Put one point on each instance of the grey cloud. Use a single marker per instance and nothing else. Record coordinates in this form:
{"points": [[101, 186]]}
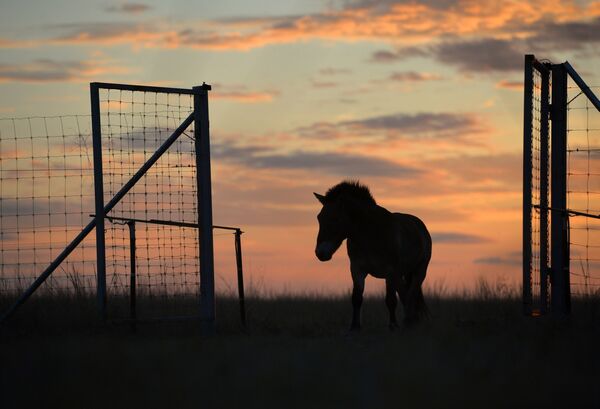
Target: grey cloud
{"points": [[386, 56], [413, 76], [483, 55], [128, 8], [568, 35], [502, 55], [334, 163], [95, 31], [43, 70], [511, 259], [457, 238], [422, 124], [384, 5]]}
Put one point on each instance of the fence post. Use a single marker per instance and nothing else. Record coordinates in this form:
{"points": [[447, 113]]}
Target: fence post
{"points": [[99, 200], [132, 274], [527, 172], [240, 275], [203, 182], [560, 289], [544, 177]]}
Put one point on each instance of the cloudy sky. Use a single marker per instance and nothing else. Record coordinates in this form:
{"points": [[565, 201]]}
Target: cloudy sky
{"points": [[421, 100]]}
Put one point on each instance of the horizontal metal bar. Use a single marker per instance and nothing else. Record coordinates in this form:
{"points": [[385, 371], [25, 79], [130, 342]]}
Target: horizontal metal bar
{"points": [[227, 228], [167, 222], [572, 212], [142, 88], [582, 85]]}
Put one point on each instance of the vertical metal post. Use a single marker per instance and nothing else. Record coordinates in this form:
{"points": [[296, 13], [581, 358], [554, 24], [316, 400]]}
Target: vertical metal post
{"points": [[132, 274], [527, 172], [99, 200], [560, 291], [203, 181], [240, 275], [544, 177]]}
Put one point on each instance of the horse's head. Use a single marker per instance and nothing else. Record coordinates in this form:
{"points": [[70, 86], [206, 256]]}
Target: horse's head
{"points": [[332, 229]]}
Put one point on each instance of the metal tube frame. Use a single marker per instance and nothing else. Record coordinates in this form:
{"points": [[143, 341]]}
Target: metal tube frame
{"points": [[527, 174], [240, 275], [544, 179], [560, 289], [99, 201], [203, 181], [132, 275]]}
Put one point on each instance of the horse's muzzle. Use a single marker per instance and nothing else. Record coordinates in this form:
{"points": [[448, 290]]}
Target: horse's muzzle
{"points": [[324, 251], [322, 256]]}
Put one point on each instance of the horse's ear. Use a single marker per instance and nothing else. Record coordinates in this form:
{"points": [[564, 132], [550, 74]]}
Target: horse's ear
{"points": [[320, 198]]}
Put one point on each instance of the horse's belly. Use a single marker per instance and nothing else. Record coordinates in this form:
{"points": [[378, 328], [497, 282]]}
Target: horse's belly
{"points": [[377, 269], [380, 274]]}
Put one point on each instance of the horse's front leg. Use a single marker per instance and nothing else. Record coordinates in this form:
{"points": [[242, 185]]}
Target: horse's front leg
{"points": [[358, 281]]}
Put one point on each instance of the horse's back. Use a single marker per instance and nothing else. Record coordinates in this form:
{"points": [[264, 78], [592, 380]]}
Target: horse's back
{"points": [[415, 240]]}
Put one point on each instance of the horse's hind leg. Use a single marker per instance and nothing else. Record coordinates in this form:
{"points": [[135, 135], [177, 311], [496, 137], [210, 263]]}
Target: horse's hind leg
{"points": [[415, 307], [391, 301]]}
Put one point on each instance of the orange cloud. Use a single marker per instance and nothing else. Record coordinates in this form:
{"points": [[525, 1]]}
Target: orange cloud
{"points": [[11, 43], [245, 97], [240, 93], [413, 76], [512, 85], [397, 23]]}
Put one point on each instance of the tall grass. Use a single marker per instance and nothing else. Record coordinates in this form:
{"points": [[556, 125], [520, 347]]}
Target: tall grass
{"points": [[477, 350]]}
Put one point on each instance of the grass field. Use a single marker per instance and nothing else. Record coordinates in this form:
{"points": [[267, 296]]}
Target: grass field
{"points": [[476, 351]]}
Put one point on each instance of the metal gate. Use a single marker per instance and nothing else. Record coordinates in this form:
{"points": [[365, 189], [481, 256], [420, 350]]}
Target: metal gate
{"points": [[151, 161], [548, 196]]}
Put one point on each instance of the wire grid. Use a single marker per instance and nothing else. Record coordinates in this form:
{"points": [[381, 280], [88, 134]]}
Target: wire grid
{"points": [[536, 196], [134, 125], [583, 191], [46, 194]]}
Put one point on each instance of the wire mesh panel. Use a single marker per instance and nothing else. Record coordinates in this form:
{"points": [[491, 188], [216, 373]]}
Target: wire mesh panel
{"points": [[583, 192], [46, 196], [134, 125], [536, 166]]}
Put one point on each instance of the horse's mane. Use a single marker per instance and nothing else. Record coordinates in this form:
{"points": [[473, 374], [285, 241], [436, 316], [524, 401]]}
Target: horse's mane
{"points": [[352, 188]]}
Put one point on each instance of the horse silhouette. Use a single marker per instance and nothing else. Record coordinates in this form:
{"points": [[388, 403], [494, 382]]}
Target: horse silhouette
{"points": [[391, 246]]}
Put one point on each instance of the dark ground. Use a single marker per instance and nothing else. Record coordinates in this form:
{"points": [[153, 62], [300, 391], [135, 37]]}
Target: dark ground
{"points": [[476, 352]]}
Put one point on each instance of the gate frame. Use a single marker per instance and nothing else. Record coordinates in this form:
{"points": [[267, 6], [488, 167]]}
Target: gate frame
{"points": [[200, 118]]}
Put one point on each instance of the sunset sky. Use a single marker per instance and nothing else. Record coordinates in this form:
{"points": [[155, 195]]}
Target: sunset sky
{"points": [[420, 100]]}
